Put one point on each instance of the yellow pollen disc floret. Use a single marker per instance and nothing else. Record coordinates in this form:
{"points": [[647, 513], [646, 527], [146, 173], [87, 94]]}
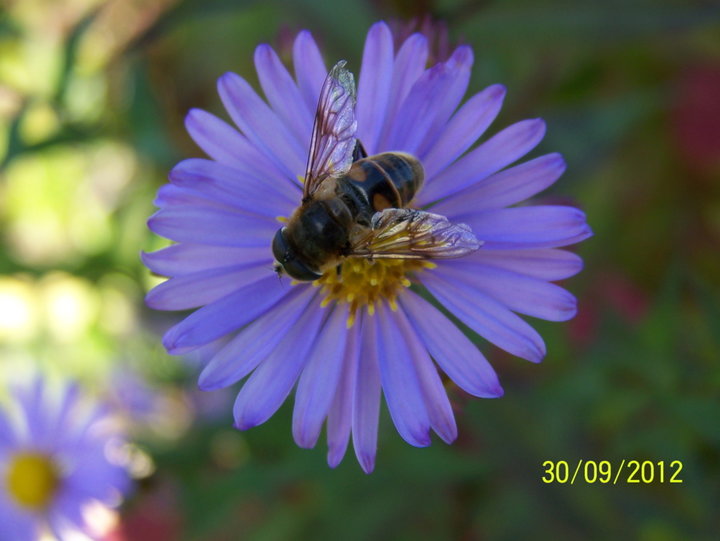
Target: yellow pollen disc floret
{"points": [[364, 283], [32, 479]]}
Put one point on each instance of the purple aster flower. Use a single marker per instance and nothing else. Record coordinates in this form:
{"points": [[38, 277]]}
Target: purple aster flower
{"points": [[54, 463], [361, 331]]}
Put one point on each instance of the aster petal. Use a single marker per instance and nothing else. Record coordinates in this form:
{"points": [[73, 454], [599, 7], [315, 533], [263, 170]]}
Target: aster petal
{"points": [[544, 263], [497, 152], [228, 146], [319, 380], [269, 385], [456, 355], [61, 420], [261, 125], [212, 226], [16, 524], [429, 104], [185, 258], [400, 383], [254, 343], [505, 188], [416, 113], [339, 419], [241, 190], [91, 478], [224, 315], [282, 93], [204, 287], [58, 528], [202, 355], [374, 85], [435, 398], [459, 65], [366, 398], [7, 433], [463, 129], [409, 65], [85, 424], [518, 292], [538, 226], [487, 317], [32, 400], [214, 136], [172, 196], [310, 70], [65, 524], [65, 520]]}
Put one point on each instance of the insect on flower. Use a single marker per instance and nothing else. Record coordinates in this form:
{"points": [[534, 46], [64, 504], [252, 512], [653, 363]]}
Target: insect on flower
{"points": [[351, 204], [383, 228]]}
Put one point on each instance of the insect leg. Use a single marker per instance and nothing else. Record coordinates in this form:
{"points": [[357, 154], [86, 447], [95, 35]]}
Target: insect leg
{"points": [[359, 151]]}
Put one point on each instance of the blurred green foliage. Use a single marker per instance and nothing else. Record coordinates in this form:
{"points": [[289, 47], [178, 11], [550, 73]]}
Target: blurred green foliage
{"points": [[92, 100]]}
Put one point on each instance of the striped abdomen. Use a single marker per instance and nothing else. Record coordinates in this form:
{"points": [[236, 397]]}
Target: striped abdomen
{"points": [[390, 179]]}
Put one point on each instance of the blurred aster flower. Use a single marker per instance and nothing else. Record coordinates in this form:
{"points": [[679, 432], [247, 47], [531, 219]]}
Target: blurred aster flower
{"points": [[54, 464], [347, 337]]}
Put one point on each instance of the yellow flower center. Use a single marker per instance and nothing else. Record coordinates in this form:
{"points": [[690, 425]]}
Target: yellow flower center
{"points": [[32, 479], [363, 283]]}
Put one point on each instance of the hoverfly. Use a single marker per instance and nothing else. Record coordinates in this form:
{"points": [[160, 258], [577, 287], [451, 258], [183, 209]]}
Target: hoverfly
{"points": [[355, 205]]}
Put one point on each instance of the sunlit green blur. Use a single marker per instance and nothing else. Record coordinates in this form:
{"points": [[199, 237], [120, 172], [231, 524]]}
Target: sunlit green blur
{"points": [[92, 100]]}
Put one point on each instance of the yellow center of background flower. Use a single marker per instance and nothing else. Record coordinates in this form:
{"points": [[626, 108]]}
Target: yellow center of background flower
{"points": [[361, 282], [32, 479]]}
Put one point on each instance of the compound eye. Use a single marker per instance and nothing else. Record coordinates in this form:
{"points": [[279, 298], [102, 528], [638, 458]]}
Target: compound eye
{"points": [[280, 248], [298, 270]]}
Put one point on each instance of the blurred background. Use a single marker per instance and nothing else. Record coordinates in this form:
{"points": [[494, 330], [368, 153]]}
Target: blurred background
{"points": [[92, 100]]}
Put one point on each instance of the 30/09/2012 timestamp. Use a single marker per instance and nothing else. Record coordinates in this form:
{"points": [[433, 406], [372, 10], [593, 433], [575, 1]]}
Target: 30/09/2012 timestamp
{"points": [[607, 472]]}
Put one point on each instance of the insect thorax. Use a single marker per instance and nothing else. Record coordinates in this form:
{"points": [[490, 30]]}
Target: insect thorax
{"points": [[321, 230]]}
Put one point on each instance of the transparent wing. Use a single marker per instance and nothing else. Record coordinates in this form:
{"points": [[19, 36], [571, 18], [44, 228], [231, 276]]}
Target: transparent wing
{"points": [[333, 136], [414, 234]]}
